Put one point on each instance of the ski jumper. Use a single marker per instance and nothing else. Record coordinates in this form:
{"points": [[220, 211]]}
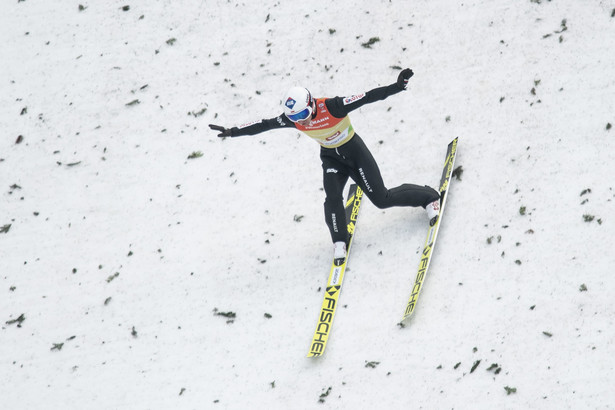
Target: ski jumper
{"points": [[344, 155]]}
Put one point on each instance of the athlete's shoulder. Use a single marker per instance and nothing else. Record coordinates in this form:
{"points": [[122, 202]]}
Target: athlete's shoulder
{"points": [[341, 106], [335, 106], [283, 121]]}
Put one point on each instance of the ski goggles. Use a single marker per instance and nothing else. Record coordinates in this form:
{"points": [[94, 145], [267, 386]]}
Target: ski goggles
{"points": [[301, 115]]}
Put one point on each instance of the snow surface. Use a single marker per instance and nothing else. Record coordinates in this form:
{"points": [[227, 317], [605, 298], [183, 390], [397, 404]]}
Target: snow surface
{"points": [[120, 249]]}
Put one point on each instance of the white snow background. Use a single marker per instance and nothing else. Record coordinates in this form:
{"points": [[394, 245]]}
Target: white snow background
{"points": [[119, 253]]}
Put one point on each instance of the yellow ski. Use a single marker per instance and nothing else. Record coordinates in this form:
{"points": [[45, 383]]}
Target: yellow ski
{"points": [[336, 277], [432, 235]]}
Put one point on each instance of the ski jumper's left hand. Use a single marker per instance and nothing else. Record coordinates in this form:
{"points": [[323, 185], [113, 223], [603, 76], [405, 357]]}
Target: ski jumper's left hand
{"points": [[404, 76]]}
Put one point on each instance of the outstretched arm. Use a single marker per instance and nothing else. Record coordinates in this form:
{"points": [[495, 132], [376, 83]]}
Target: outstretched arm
{"points": [[253, 128], [341, 106]]}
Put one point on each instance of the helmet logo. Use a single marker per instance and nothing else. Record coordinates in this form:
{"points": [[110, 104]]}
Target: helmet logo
{"points": [[290, 103]]}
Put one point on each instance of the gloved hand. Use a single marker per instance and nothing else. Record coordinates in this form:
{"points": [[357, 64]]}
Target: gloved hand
{"points": [[404, 76], [224, 132]]}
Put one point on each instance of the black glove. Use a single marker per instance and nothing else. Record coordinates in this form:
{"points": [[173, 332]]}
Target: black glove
{"points": [[224, 132], [404, 76]]}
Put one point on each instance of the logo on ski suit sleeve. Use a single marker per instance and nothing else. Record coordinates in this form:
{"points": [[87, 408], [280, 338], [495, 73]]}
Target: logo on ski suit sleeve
{"points": [[351, 99]]}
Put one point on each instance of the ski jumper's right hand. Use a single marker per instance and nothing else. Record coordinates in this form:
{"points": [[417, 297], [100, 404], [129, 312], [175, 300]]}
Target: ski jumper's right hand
{"points": [[224, 132]]}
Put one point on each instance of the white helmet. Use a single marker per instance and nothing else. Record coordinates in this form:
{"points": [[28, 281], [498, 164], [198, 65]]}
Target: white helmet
{"points": [[298, 104]]}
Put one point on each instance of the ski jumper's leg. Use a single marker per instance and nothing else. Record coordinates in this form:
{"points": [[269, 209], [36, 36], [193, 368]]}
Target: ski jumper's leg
{"points": [[335, 177], [367, 174]]}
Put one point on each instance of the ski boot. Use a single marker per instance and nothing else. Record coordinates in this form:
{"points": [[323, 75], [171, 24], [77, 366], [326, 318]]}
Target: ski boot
{"points": [[433, 211], [339, 253]]}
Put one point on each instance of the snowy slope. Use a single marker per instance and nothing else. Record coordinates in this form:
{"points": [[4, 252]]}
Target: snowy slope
{"points": [[118, 250]]}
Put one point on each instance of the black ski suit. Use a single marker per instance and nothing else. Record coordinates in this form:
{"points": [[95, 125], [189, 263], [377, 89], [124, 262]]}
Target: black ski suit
{"points": [[349, 158]]}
